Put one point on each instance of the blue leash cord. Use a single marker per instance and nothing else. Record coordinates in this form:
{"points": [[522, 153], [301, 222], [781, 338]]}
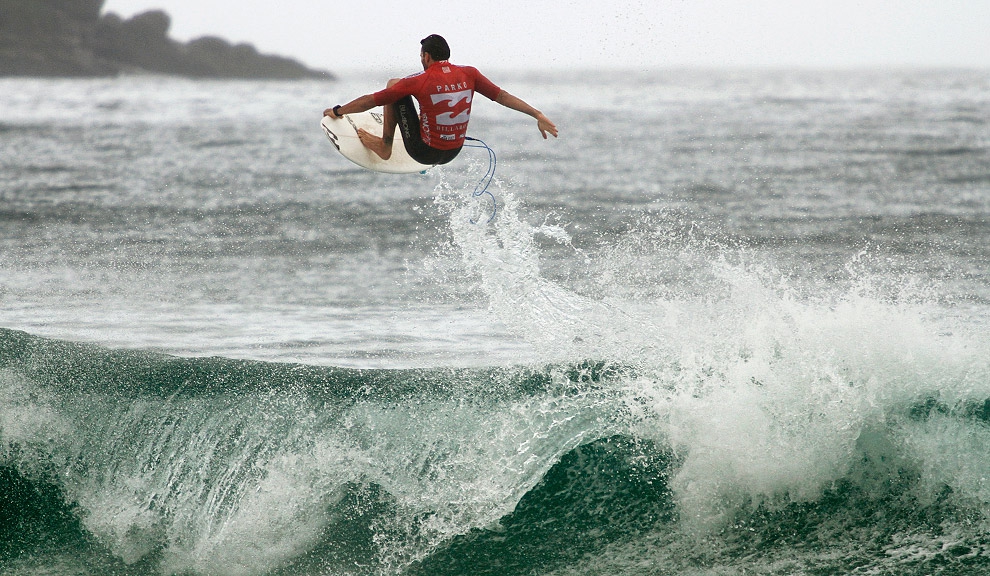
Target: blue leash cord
{"points": [[487, 178]]}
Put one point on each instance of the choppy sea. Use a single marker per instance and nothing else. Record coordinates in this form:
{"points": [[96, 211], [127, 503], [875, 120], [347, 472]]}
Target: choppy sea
{"points": [[730, 322]]}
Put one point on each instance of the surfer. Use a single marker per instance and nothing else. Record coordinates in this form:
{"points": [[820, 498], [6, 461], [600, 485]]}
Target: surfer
{"points": [[444, 92]]}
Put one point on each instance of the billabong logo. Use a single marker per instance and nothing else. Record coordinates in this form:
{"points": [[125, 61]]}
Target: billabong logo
{"points": [[460, 106]]}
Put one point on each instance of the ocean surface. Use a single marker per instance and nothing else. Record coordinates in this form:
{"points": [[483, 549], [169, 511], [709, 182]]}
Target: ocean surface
{"points": [[730, 322]]}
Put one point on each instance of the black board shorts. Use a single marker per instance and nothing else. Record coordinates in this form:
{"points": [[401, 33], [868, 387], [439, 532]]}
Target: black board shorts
{"points": [[413, 138]]}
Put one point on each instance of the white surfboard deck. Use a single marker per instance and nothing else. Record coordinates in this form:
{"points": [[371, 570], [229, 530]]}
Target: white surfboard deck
{"points": [[342, 133]]}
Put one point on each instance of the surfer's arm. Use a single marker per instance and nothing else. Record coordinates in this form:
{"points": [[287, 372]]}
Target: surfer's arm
{"points": [[516, 103], [366, 102]]}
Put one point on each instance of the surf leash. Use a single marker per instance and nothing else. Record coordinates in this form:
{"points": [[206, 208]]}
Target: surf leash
{"points": [[486, 180]]}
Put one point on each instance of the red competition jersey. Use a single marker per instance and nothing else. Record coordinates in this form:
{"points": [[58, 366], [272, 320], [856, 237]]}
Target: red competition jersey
{"points": [[444, 92]]}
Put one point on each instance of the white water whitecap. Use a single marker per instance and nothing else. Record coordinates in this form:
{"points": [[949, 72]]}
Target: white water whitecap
{"points": [[764, 389]]}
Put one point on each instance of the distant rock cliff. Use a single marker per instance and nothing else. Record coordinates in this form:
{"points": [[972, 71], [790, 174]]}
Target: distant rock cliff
{"points": [[71, 38]]}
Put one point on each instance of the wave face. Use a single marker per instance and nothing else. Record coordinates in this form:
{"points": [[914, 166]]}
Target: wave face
{"points": [[792, 456], [217, 466]]}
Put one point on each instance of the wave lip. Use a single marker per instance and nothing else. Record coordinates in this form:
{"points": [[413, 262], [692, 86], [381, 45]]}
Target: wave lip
{"points": [[218, 466]]}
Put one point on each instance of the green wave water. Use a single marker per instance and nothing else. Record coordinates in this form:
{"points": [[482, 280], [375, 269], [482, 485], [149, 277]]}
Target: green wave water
{"points": [[140, 463]]}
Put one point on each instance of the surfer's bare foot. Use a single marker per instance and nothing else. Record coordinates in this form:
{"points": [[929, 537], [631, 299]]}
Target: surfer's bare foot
{"points": [[376, 144]]}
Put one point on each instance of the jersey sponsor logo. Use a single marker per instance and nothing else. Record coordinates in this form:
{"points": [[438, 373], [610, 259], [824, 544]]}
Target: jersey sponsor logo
{"points": [[452, 87], [459, 104]]}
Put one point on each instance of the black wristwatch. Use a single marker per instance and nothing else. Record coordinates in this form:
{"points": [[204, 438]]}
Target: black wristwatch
{"points": [[335, 113]]}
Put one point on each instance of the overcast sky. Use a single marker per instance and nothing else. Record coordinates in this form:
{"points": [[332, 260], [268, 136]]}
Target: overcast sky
{"points": [[383, 35]]}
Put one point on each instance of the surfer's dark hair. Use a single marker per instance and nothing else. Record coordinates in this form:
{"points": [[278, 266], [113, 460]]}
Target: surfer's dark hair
{"points": [[436, 47]]}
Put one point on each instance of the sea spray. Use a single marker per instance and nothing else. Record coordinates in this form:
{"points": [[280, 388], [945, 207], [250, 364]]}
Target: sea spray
{"points": [[768, 386], [504, 256]]}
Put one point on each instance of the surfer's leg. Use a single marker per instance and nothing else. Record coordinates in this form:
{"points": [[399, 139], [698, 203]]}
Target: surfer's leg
{"points": [[391, 118], [376, 144], [383, 145]]}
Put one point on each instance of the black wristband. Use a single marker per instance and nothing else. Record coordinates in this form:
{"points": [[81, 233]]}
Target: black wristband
{"points": [[335, 113]]}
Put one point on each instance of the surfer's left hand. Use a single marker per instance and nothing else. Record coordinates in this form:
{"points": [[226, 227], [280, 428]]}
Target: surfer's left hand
{"points": [[546, 126]]}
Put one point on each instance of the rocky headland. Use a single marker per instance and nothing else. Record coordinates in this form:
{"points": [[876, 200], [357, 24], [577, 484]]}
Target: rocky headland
{"points": [[66, 38]]}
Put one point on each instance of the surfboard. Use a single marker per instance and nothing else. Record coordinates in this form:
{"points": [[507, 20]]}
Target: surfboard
{"points": [[342, 133]]}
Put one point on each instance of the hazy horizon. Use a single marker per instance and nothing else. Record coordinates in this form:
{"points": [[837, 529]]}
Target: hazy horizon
{"points": [[581, 34]]}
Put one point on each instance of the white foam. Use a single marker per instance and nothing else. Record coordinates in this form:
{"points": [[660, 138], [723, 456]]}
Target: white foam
{"points": [[763, 387]]}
